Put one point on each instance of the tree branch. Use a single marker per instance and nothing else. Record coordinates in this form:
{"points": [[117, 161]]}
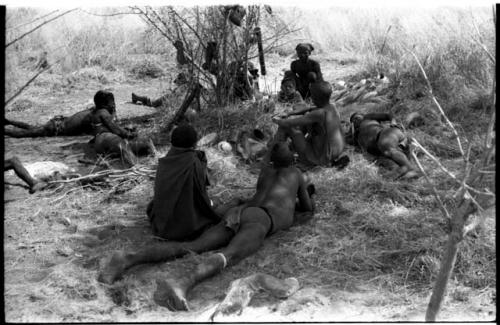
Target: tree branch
{"points": [[433, 188], [437, 103], [36, 19], [28, 83], [37, 27]]}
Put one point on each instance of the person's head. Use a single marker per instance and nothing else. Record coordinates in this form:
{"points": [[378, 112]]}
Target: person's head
{"points": [[105, 99], [304, 51], [181, 79], [236, 13], [281, 155], [312, 77], [184, 136], [288, 86], [356, 119], [321, 92]]}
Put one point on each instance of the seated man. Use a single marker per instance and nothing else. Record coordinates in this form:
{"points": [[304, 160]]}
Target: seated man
{"points": [[301, 69], [181, 209], [288, 93], [241, 234], [110, 137], [382, 140], [33, 183], [244, 82], [316, 136]]}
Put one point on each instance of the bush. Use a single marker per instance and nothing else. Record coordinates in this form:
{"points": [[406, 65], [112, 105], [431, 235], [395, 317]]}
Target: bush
{"points": [[147, 68]]}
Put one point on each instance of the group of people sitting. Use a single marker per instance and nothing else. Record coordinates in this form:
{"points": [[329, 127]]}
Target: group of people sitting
{"points": [[181, 211]]}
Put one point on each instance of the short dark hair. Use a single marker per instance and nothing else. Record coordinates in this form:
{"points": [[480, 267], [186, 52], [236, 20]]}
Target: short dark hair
{"points": [[281, 155], [102, 98], [321, 90], [353, 115], [184, 136]]}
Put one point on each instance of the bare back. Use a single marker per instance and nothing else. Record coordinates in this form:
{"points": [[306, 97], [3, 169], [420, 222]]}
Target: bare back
{"points": [[277, 190], [327, 138]]}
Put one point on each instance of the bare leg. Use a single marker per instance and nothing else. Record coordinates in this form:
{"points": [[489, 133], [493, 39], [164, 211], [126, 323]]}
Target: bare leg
{"points": [[15, 164], [388, 144], [19, 124], [141, 147], [302, 147], [157, 102], [255, 224], [32, 132], [144, 100], [213, 238]]}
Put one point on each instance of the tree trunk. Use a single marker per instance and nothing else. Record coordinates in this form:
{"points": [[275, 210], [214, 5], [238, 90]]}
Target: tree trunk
{"points": [[195, 91], [444, 275], [461, 215]]}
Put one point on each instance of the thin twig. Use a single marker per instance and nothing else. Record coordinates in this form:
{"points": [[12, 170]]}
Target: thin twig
{"points": [[109, 15], [433, 188], [29, 82], [437, 103], [30, 22], [415, 142], [37, 27]]}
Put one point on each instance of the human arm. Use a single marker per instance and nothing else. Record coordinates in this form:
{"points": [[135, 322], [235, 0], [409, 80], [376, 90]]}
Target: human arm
{"points": [[305, 120], [380, 117], [316, 68], [305, 207], [107, 120]]}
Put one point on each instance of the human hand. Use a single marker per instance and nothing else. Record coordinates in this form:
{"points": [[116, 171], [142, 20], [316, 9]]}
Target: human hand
{"points": [[131, 134]]}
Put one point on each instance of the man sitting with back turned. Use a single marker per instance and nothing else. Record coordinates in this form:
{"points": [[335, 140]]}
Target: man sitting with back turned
{"points": [[283, 197], [317, 136], [181, 209]]}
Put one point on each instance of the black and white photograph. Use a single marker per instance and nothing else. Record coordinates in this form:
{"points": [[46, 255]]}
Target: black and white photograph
{"points": [[238, 162]]}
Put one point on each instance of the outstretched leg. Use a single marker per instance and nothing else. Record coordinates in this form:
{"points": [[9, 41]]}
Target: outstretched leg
{"points": [[255, 224], [388, 145], [19, 124], [211, 239], [144, 100], [15, 164], [32, 132]]}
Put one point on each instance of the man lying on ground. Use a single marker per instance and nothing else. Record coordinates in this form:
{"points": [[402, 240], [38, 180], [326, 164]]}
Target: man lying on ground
{"points": [[110, 138], [15, 164], [317, 136], [181, 208], [281, 190], [182, 86], [76, 124], [382, 140]]}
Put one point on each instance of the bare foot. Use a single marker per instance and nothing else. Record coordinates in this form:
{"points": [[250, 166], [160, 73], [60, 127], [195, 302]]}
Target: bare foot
{"points": [[170, 293], [113, 269], [409, 175], [38, 186]]}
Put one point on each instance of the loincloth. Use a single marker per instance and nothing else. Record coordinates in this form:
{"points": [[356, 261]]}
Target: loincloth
{"points": [[57, 124], [232, 218]]}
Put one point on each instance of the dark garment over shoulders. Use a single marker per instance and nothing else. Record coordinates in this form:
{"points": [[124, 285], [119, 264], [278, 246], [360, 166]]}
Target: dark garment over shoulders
{"points": [[181, 207]]}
